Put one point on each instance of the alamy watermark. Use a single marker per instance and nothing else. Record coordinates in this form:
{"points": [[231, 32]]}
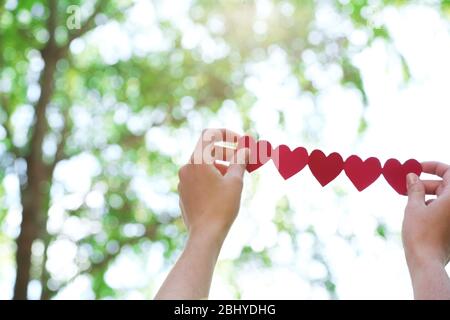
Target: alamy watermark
{"points": [[224, 145], [73, 21]]}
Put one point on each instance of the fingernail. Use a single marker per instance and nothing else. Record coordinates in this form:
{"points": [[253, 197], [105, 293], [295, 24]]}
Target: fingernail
{"points": [[412, 178]]}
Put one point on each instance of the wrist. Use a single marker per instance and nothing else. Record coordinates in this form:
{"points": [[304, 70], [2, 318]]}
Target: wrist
{"points": [[209, 231], [424, 264], [429, 280], [206, 239], [424, 259]]}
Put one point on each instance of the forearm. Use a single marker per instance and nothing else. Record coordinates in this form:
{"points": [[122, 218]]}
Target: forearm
{"points": [[191, 276], [430, 281]]}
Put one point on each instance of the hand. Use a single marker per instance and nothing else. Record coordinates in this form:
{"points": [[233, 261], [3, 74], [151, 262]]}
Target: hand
{"points": [[426, 232], [210, 193]]}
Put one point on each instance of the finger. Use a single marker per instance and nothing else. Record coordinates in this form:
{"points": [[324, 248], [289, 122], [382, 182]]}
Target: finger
{"points": [[416, 191], [223, 153], [432, 187], [201, 152], [437, 168], [239, 164]]}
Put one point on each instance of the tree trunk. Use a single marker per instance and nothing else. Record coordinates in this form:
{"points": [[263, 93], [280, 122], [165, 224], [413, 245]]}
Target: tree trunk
{"points": [[39, 175], [36, 189]]}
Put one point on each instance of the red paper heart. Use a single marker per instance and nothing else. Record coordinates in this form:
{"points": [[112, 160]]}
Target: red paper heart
{"points": [[289, 162], [362, 173], [395, 173], [260, 152], [324, 168]]}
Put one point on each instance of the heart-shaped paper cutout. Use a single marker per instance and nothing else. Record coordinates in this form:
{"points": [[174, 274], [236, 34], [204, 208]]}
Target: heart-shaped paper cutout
{"points": [[260, 152], [288, 162], [362, 173], [324, 168], [395, 173]]}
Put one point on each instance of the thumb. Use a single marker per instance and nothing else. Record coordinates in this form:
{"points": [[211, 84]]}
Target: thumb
{"points": [[416, 190], [239, 163]]}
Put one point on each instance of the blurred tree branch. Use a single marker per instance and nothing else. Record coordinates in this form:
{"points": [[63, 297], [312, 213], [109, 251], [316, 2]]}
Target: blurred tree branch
{"points": [[64, 135], [88, 24], [4, 99], [9, 133], [150, 234]]}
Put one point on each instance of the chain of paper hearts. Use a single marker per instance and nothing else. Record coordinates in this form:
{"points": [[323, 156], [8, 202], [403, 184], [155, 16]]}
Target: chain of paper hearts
{"points": [[327, 168]]}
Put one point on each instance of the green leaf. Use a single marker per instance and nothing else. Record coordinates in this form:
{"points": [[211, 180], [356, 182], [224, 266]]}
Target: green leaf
{"points": [[381, 230]]}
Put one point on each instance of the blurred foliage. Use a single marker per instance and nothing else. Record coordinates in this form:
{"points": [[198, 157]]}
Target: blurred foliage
{"points": [[382, 230], [106, 109]]}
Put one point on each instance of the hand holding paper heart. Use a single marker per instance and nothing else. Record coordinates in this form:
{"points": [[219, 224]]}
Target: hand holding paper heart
{"points": [[327, 168]]}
